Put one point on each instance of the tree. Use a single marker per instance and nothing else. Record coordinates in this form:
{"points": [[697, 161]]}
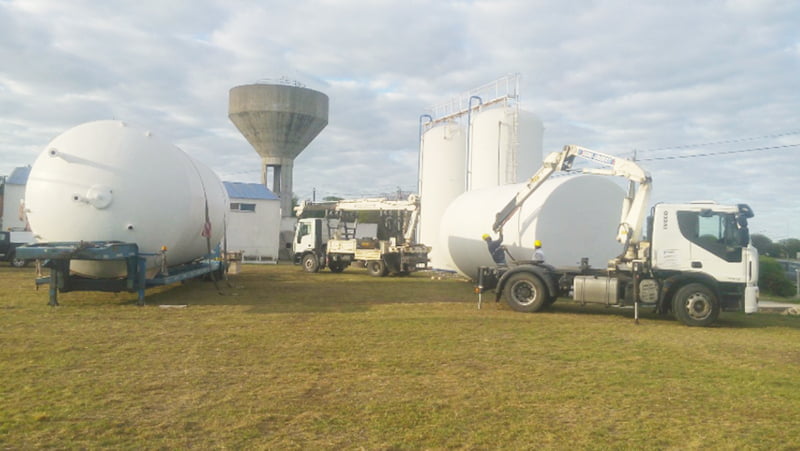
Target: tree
{"points": [[762, 243], [791, 247]]}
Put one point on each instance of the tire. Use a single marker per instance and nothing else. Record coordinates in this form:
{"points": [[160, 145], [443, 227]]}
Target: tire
{"points": [[695, 305], [18, 262], [310, 263], [377, 268], [525, 292], [336, 267]]}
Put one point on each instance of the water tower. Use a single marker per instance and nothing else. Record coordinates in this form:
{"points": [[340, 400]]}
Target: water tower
{"points": [[279, 121]]}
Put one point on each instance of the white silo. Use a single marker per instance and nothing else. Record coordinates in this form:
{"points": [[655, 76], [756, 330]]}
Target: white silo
{"points": [[574, 217], [442, 179], [505, 146]]}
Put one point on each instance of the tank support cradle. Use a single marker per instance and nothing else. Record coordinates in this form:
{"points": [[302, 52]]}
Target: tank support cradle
{"points": [[57, 257]]}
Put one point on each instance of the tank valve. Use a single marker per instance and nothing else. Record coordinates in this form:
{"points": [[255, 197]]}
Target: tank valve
{"points": [[99, 196]]}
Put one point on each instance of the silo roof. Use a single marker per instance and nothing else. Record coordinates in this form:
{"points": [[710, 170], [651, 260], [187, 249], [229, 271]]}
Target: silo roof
{"points": [[240, 190], [19, 176]]}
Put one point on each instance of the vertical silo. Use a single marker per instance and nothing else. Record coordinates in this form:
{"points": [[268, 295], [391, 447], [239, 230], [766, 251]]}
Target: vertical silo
{"points": [[505, 147], [442, 179]]}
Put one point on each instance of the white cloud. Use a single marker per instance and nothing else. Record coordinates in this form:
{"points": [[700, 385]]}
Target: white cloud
{"points": [[611, 74]]}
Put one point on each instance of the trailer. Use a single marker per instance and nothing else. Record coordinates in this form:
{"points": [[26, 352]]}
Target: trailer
{"points": [[57, 257], [696, 260]]}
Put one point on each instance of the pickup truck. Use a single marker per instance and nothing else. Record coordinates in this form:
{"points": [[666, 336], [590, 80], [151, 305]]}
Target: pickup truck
{"points": [[9, 241]]}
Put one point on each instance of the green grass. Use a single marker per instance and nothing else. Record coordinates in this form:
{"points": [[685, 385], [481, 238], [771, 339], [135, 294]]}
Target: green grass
{"points": [[288, 360]]}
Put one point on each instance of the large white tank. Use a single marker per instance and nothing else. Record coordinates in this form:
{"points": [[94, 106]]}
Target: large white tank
{"points": [[108, 181], [574, 217], [442, 179], [495, 159]]}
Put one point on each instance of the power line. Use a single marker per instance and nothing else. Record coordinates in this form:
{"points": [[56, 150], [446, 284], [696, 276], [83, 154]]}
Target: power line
{"points": [[729, 141], [724, 152]]}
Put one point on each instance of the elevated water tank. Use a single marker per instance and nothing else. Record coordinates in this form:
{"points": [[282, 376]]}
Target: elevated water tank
{"points": [[108, 181], [279, 121], [505, 147], [441, 180], [574, 217]]}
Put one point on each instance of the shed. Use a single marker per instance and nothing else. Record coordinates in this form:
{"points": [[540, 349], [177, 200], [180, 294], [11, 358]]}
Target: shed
{"points": [[12, 202], [254, 222]]}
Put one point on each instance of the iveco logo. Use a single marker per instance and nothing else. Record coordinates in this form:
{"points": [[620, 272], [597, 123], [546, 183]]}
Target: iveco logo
{"points": [[665, 220]]}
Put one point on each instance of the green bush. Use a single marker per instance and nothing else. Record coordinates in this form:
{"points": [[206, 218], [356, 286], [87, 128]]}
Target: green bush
{"points": [[771, 278]]}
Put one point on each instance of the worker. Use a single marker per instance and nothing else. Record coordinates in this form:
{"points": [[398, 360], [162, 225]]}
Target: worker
{"points": [[496, 248], [538, 253]]}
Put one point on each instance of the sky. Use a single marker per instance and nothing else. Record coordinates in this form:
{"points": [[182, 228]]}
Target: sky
{"points": [[705, 92]]}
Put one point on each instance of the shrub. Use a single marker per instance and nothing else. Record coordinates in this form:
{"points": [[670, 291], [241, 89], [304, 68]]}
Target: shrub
{"points": [[771, 278]]}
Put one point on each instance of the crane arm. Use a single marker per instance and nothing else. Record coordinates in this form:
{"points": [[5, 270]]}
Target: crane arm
{"points": [[633, 207]]}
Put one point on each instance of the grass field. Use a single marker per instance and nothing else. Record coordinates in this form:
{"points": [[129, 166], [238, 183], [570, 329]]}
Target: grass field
{"points": [[288, 360]]}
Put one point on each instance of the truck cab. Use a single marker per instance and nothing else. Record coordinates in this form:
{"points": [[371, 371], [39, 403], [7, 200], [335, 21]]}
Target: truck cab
{"points": [[708, 242], [10, 240]]}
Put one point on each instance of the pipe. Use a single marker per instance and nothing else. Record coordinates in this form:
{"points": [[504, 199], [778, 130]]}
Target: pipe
{"points": [[467, 159], [419, 159]]}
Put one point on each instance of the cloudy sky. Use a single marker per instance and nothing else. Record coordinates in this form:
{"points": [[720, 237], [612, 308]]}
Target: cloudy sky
{"points": [[672, 80]]}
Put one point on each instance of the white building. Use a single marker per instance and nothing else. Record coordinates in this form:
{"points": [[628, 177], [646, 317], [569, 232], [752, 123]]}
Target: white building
{"points": [[254, 222], [12, 200]]}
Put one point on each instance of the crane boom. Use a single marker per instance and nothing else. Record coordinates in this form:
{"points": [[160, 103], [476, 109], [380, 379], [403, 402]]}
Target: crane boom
{"points": [[379, 204], [633, 206]]}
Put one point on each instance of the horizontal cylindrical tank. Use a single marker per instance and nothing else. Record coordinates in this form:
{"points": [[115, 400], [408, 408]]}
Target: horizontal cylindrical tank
{"points": [[505, 147], [441, 180], [574, 217], [108, 181]]}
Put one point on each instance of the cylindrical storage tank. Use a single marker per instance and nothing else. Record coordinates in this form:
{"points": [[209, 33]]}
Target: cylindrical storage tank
{"points": [[108, 181], [503, 150], [574, 217], [441, 181], [529, 152]]}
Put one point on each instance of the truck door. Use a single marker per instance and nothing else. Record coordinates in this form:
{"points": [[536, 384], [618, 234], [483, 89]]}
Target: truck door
{"points": [[304, 236], [699, 240], [714, 246]]}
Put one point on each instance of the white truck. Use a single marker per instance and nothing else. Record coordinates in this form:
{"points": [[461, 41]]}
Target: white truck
{"points": [[331, 242], [696, 260]]}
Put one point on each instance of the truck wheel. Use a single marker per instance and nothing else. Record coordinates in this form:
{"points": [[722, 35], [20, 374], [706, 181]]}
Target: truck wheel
{"points": [[525, 293], [376, 268], [310, 263], [18, 262], [695, 305], [336, 267]]}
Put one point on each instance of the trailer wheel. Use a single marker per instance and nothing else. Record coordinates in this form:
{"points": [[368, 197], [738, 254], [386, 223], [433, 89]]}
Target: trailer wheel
{"points": [[310, 263], [336, 267], [695, 305], [376, 268], [525, 293]]}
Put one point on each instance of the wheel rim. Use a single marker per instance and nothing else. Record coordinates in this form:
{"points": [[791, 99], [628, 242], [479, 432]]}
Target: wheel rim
{"points": [[524, 293], [698, 306]]}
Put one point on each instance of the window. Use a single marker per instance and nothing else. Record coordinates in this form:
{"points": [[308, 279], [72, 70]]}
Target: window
{"points": [[714, 232], [237, 206]]}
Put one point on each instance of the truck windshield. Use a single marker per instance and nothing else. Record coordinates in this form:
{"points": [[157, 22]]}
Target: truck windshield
{"points": [[713, 231]]}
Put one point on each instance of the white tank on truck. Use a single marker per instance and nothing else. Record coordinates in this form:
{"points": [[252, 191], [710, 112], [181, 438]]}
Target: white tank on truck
{"points": [[695, 259], [110, 181]]}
